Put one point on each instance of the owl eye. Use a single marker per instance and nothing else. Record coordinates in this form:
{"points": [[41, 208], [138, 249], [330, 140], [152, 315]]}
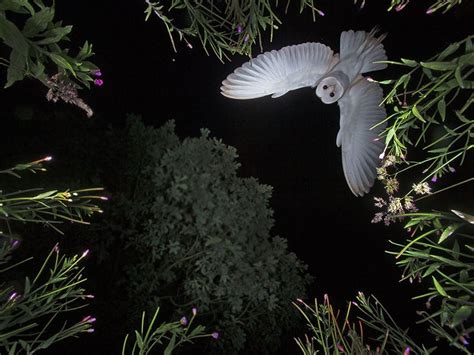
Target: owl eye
{"points": [[325, 87]]}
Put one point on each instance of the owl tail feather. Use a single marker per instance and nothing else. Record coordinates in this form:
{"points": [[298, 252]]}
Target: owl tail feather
{"points": [[366, 47]]}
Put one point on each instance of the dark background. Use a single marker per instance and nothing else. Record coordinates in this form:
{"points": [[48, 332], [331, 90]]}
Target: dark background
{"points": [[288, 143]]}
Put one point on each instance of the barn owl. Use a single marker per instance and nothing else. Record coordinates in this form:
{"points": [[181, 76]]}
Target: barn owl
{"points": [[337, 78]]}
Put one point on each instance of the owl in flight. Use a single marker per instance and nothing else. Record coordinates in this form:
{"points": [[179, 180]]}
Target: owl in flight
{"points": [[336, 77]]}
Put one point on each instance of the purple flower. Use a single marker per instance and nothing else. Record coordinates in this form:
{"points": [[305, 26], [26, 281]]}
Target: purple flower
{"points": [[13, 296], [96, 72], [183, 321], [451, 169], [407, 351], [246, 38], [215, 335], [239, 28], [88, 319], [400, 7], [98, 82], [434, 178], [194, 310]]}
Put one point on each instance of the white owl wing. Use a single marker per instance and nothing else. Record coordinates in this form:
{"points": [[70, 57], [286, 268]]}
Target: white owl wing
{"points": [[361, 147], [360, 53], [279, 71]]}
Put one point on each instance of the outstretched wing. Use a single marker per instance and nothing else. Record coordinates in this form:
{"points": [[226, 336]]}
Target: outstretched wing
{"points": [[360, 51], [361, 146], [277, 72]]}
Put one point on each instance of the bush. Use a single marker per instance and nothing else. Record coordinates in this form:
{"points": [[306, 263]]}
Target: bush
{"points": [[196, 234]]}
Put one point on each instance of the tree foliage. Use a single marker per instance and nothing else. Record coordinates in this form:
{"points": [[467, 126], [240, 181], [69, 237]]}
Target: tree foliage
{"points": [[198, 234]]}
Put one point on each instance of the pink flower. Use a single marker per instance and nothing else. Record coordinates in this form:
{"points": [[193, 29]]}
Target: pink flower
{"points": [[194, 310], [98, 82], [215, 335]]}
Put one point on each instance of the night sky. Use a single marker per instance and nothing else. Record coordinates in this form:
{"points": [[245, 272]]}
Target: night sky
{"points": [[288, 143]]}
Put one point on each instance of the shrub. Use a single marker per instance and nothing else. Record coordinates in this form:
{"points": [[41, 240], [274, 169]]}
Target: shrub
{"points": [[195, 233]]}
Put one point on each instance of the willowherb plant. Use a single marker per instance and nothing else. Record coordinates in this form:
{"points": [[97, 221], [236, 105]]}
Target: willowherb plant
{"points": [[440, 249], [432, 106], [168, 335], [334, 332], [50, 208], [431, 109], [226, 27], [30, 309], [30, 313], [38, 44]]}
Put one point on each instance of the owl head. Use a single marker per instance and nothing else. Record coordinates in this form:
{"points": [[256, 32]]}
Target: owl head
{"points": [[332, 87]]}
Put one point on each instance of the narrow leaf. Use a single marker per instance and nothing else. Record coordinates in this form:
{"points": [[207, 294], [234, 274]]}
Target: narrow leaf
{"points": [[439, 288], [38, 22], [17, 68]]}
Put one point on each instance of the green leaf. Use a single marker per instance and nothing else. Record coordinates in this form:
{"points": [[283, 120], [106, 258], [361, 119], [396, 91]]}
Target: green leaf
{"points": [[139, 339], [38, 22], [12, 36], [417, 114], [439, 66], [409, 62], [467, 217], [442, 108], [432, 268], [85, 51], [16, 69], [462, 314], [37, 69], [463, 276], [458, 76], [61, 62], [385, 82], [169, 349], [469, 47], [439, 288], [18, 6], [448, 231], [448, 51], [466, 59], [55, 35], [44, 195]]}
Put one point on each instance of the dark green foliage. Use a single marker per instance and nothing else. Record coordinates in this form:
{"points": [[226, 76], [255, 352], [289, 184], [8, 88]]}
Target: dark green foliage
{"points": [[196, 234]]}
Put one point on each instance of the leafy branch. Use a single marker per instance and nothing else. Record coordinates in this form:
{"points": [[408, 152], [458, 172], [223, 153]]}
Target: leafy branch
{"points": [[47, 207], [333, 334], [225, 27], [171, 334], [440, 249], [27, 313], [38, 45]]}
